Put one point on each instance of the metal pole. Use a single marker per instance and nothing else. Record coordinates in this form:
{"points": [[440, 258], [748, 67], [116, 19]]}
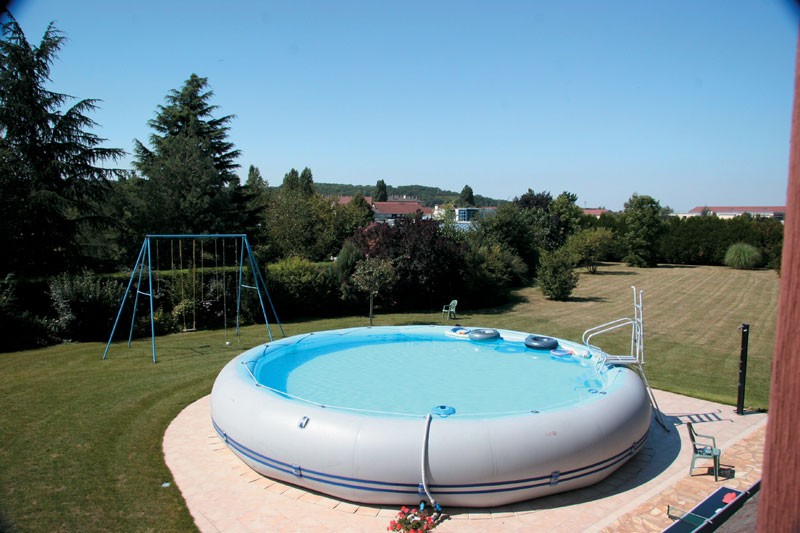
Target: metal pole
{"points": [[239, 290], [150, 289], [745, 328], [263, 282], [136, 300], [125, 297]]}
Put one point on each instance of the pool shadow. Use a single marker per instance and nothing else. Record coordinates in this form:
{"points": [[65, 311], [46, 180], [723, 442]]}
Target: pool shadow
{"points": [[654, 459]]}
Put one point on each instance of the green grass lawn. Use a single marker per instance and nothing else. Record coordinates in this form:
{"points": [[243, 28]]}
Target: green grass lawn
{"points": [[81, 437]]}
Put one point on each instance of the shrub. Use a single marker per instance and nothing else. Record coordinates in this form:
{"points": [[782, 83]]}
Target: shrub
{"points": [[344, 266], [556, 275], [299, 287], [491, 272], [85, 306], [429, 264], [590, 246], [743, 256], [19, 329]]}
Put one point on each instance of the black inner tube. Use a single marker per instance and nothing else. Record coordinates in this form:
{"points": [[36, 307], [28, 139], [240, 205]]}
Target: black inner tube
{"points": [[484, 334], [538, 342]]}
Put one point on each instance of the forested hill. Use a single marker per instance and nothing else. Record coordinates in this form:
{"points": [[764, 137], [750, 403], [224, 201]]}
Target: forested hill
{"points": [[428, 196]]}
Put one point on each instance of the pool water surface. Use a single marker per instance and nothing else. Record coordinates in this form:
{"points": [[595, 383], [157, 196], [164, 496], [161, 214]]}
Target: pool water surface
{"points": [[410, 374]]}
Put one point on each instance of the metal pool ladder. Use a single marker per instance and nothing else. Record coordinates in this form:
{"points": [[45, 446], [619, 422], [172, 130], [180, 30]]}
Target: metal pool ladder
{"points": [[636, 358]]}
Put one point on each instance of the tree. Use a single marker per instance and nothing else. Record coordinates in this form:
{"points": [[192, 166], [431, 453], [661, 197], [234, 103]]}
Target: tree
{"points": [[188, 112], [380, 191], [190, 154], [532, 200], [466, 198], [256, 190], [291, 180], [290, 221], [349, 217], [50, 180], [643, 220], [515, 229], [567, 218], [589, 247], [301, 222], [373, 276], [255, 181], [430, 266], [556, 276], [307, 182]]}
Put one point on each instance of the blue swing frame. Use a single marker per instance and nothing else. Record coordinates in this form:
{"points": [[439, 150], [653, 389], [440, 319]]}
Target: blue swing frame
{"points": [[144, 260]]}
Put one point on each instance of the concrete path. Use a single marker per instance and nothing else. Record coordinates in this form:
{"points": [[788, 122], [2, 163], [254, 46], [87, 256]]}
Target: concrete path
{"points": [[225, 495]]}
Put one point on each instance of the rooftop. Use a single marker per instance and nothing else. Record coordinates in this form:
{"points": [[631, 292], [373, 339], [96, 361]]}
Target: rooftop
{"points": [[753, 209], [400, 207]]}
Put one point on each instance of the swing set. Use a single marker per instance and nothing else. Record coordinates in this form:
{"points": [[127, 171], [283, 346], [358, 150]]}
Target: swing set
{"points": [[241, 248]]}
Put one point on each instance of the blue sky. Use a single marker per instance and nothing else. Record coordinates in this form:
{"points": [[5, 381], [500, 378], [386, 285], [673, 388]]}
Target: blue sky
{"points": [[689, 102]]}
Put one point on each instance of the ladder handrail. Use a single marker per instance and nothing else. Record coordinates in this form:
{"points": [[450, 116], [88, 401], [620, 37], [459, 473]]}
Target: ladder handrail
{"points": [[604, 328], [636, 358], [637, 333]]}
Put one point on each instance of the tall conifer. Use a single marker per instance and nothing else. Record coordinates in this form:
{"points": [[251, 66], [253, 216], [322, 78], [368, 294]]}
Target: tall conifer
{"points": [[50, 177]]}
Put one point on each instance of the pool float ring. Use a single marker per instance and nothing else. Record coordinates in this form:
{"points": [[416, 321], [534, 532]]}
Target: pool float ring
{"points": [[484, 334], [538, 342]]}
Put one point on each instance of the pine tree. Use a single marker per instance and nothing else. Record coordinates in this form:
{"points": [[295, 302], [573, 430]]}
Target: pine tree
{"points": [[257, 191], [190, 164], [466, 198], [50, 182], [380, 191]]}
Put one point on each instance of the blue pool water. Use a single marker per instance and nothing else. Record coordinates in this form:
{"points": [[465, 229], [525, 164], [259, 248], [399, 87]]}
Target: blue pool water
{"points": [[412, 371]]}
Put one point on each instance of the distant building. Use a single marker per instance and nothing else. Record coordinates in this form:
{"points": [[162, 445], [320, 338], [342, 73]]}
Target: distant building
{"points": [[344, 200], [395, 208], [596, 212], [463, 216], [388, 211], [728, 211], [468, 214]]}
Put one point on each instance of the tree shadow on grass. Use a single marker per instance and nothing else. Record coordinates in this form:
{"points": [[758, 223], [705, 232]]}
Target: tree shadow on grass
{"points": [[613, 273], [587, 299], [5, 524], [513, 301]]}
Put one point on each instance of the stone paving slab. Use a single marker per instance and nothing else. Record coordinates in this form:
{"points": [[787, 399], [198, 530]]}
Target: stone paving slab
{"points": [[224, 495]]}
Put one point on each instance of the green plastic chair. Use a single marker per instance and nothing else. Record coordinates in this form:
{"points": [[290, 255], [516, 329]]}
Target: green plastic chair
{"points": [[704, 447], [449, 310]]}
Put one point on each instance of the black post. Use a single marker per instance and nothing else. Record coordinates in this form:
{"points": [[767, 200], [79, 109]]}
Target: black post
{"points": [[742, 368]]}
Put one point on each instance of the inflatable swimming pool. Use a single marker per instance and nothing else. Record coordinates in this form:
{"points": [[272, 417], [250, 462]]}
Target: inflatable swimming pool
{"points": [[394, 415]]}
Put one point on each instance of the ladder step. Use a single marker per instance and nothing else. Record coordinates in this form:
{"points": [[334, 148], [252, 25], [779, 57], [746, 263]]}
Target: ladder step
{"points": [[249, 287]]}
